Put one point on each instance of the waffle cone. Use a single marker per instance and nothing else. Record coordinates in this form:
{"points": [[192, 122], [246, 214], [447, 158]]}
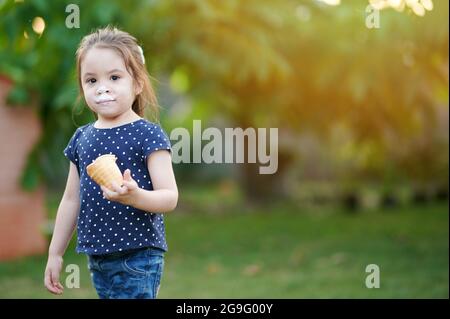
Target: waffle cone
{"points": [[104, 171]]}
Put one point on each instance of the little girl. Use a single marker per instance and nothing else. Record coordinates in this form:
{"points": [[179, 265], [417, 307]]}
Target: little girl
{"points": [[120, 229]]}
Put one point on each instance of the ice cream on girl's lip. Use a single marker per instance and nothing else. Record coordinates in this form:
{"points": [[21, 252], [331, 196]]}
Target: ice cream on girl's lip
{"points": [[104, 99]]}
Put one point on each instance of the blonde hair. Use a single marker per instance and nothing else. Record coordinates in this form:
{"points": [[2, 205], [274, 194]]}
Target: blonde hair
{"points": [[126, 46]]}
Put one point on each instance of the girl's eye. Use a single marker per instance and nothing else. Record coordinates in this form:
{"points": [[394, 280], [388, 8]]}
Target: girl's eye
{"points": [[114, 77], [91, 81]]}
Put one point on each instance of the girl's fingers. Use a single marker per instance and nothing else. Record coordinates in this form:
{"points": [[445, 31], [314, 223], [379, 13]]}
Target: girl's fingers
{"points": [[48, 281], [115, 187], [121, 190], [58, 288], [129, 185], [107, 193], [127, 175], [51, 289], [55, 279], [116, 190]]}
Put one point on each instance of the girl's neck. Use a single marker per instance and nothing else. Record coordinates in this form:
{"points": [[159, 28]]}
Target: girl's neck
{"points": [[122, 119]]}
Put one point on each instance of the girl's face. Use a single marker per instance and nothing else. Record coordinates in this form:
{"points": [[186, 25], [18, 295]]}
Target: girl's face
{"points": [[107, 86]]}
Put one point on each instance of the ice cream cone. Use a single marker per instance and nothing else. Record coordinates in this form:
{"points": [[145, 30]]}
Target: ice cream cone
{"points": [[104, 171]]}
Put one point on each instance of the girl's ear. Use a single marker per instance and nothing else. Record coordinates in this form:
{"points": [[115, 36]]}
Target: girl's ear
{"points": [[138, 88]]}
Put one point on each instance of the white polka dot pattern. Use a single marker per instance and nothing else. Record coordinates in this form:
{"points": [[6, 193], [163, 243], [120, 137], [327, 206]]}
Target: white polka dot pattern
{"points": [[105, 226]]}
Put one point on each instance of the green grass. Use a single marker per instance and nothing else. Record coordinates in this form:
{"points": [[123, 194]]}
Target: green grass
{"points": [[282, 253]]}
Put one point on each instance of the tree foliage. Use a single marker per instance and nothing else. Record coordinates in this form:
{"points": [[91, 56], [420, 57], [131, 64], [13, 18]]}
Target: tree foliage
{"points": [[302, 66]]}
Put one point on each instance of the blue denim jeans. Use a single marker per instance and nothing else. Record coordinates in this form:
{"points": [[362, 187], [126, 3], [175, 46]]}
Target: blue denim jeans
{"points": [[129, 274]]}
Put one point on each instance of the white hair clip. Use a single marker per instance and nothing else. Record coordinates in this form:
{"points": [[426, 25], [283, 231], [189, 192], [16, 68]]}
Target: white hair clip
{"points": [[142, 54]]}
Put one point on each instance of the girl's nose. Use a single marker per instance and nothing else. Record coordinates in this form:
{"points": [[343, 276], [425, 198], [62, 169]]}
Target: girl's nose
{"points": [[102, 90]]}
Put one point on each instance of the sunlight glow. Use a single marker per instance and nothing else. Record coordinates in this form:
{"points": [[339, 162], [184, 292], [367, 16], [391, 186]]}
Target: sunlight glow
{"points": [[331, 2], [38, 25], [419, 7]]}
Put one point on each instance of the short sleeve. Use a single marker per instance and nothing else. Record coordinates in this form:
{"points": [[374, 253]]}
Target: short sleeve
{"points": [[155, 139], [71, 149]]}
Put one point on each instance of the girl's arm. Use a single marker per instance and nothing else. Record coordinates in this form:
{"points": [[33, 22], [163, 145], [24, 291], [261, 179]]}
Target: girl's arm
{"points": [[66, 217], [64, 227], [164, 196]]}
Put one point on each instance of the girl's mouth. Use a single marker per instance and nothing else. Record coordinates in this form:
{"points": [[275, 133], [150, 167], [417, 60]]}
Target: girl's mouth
{"points": [[105, 102]]}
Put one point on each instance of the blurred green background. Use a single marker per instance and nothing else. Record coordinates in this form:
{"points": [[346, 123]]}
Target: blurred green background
{"points": [[362, 115]]}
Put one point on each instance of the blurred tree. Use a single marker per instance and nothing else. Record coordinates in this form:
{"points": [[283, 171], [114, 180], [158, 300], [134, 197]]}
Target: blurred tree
{"points": [[305, 66], [37, 51], [302, 66]]}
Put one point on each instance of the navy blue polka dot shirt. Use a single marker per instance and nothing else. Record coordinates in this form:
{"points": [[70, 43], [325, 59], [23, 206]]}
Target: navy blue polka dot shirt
{"points": [[105, 226]]}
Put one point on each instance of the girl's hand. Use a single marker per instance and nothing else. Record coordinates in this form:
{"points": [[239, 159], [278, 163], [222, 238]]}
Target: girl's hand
{"points": [[125, 194], [51, 277]]}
